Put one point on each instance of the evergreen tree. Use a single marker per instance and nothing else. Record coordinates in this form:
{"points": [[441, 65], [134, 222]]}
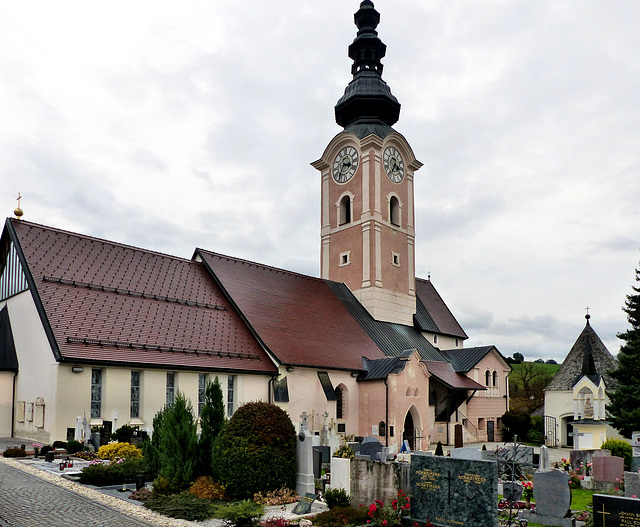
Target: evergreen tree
{"points": [[211, 424], [624, 410], [177, 450], [151, 447]]}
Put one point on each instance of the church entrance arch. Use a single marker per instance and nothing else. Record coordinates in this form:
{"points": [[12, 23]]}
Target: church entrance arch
{"points": [[412, 431]]}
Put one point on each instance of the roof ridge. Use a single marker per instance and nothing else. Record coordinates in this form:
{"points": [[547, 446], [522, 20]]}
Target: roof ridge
{"points": [[97, 239], [261, 265]]}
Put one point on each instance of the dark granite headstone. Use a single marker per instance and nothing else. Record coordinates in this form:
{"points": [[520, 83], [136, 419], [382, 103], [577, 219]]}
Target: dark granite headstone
{"points": [[552, 493], [305, 503], [326, 453], [454, 492], [512, 490], [615, 511], [317, 463], [371, 447]]}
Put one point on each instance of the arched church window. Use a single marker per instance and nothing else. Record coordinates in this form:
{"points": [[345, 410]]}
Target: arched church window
{"points": [[345, 210], [341, 401], [487, 378], [394, 211], [495, 378]]}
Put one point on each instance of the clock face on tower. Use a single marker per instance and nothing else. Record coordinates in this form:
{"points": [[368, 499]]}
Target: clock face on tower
{"points": [[393, 164], [345, 164]]}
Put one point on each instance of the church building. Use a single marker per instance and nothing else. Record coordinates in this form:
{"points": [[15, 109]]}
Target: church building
{"points": [[97, 330]]}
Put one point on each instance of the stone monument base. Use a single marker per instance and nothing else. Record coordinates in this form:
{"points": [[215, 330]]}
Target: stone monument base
{"points": [[546, 520]]}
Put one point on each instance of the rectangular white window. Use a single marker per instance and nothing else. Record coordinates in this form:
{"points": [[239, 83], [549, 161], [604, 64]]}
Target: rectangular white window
{"points": [[135, 394], [96, 393], [171, 388], [345, 258], [202, 388], [230, 394]]}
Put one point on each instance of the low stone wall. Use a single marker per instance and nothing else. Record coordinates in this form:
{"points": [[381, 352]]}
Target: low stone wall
{"points": [[374, 480]]}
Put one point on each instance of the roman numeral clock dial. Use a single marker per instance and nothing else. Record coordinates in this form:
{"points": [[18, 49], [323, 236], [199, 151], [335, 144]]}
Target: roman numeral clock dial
{"points": [[393, 164], [345, 164]]}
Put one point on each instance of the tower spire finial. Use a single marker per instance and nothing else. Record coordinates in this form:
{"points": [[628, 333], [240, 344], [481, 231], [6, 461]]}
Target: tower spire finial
{"points": [[18, 211], [367, 106]]}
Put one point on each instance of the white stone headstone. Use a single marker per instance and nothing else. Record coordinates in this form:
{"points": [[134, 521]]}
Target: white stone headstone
{"points": [[545, 463], [305, 481]]}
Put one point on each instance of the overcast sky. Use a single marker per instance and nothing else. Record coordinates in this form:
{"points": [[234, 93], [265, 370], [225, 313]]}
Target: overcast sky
{"points": [[175, 125]]}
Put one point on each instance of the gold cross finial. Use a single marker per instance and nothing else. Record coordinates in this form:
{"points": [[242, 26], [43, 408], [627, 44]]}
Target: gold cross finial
{"points": [[18, 211]]}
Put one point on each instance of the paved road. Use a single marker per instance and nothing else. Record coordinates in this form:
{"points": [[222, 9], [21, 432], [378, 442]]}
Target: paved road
{"points": [[28, 501]]}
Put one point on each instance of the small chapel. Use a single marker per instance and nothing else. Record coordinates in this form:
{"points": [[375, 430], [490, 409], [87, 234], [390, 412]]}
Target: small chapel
{"points": [[105, 333], [575, 399]]}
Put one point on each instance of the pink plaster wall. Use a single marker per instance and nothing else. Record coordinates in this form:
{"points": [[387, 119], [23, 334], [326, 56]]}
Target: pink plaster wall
{"points": [[408, 389], [490, 404]]}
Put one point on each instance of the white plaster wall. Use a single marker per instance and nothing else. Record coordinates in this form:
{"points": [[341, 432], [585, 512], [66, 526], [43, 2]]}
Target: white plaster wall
{"points": [[36, 363], [559, 404], [306, 395], [75, 394]]}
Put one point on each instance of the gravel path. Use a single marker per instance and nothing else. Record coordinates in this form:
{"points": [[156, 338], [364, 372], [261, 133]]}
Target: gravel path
{"points": [[31, 497]]}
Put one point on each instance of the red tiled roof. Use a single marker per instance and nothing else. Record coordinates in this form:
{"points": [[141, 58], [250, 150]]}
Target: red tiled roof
{"points": [[298, 317], [110, 302], [444, 372], [443, 318]]}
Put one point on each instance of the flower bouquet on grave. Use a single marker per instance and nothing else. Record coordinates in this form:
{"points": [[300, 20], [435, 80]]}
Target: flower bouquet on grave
{"points": [[36, 449], [381, 515]]}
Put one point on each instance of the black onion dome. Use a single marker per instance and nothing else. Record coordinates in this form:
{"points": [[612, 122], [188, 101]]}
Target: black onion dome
{"points": [[367, 106]]}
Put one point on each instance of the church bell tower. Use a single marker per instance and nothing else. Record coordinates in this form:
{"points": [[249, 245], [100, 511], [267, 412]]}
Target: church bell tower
{"points": [[367, 188]]}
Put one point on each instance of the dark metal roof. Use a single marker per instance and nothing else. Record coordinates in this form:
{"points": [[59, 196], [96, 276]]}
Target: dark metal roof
{"points": [[393, 339], [422, 319], [378, 369], [367, 101], [463, 359], [8, 356]]}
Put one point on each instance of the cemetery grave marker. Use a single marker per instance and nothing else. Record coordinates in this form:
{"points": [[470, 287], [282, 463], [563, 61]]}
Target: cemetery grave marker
{"points": [[615, 511], [305, 503], [454, 492]]}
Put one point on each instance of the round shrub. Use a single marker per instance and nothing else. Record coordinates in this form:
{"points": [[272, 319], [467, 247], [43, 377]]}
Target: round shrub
{"points": [[256, 451], [337, 498], [59, 444], [619, 448], [119, 451], [74, 446]]}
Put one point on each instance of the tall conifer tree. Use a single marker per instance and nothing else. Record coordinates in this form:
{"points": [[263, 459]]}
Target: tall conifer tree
{"points": [[211, 424], [624, 408]]}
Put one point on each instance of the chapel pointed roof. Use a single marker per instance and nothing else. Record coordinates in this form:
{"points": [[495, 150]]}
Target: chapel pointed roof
{"points": [[367, 106], [588, 357]]}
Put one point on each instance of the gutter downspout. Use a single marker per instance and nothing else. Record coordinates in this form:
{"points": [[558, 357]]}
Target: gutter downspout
{"points": [[270, 389], [13, 405], [386, 413]]}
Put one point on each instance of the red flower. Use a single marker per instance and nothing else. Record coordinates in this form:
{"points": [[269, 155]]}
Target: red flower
{"points": [[372, 508]]}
